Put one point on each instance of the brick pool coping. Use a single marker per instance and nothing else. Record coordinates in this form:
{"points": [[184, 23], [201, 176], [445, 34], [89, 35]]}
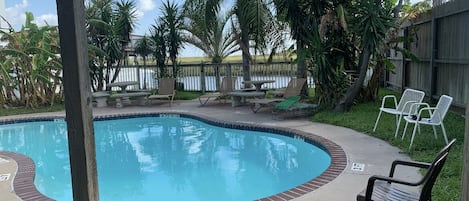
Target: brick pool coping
{"points": [[27, 190], [23, 182]]}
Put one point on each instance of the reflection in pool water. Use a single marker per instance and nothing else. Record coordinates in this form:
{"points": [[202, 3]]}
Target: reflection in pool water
{"points": [[168, 158]]}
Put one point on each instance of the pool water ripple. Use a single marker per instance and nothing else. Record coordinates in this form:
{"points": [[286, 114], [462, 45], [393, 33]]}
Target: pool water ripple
{"points": [[170, 158]]}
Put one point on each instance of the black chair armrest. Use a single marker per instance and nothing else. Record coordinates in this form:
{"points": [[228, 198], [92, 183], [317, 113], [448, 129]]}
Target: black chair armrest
{"points": [[407, 163], [372, 180]]}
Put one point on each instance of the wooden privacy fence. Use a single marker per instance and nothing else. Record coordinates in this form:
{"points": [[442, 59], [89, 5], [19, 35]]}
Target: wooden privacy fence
{"points": [[441, 43]]}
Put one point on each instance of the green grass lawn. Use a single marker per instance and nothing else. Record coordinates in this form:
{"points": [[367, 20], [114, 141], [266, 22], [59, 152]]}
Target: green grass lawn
{"points": [[362, 118]]}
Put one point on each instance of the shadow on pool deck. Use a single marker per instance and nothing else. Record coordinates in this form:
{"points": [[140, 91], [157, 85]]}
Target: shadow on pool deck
{"points": [[376, 155]]}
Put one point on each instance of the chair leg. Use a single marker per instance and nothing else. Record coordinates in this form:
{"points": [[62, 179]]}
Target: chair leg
{"points": [[398, 124], [413, 135], [434, 131], [405, 129], [444, 132], [202, 103], [377, 119], [256, 107]]}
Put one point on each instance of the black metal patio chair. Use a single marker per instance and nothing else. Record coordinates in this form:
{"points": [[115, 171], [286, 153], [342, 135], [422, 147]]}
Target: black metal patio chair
{"points": [[381, 188]]}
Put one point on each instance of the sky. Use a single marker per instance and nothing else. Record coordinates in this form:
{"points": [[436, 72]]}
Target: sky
{"points": [[46, 11]]}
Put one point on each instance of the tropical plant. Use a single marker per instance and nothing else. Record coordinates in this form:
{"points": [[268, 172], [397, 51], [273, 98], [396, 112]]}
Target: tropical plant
{"points": [[144, 48], [371, 20], [109, 25], [380, 61], [207, 33], [172, 20], [30, 71], [252, 22], [159, 47]]}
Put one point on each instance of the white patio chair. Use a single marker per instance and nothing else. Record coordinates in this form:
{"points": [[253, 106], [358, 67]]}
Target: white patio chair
{"points": [[436, 116], [409, 97]]}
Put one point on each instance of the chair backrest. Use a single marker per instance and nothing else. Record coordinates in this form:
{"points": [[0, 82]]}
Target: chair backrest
{"points": [[166, 86], [433, 172], [410, 95], [294, 87], [228, 84], [441, 108]]}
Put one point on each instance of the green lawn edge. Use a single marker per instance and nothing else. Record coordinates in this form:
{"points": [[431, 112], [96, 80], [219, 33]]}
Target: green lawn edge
{"points": [[362, 117]]}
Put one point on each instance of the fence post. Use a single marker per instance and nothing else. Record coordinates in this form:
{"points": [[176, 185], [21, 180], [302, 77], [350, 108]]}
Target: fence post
{"points": [[217, 77], [434, 54], [465, 177], [291, 69], [202, 77], [138, 76], [228, 70]]}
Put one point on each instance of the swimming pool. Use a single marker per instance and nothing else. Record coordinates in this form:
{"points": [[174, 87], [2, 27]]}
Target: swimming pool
{"points": [[171, 158]]}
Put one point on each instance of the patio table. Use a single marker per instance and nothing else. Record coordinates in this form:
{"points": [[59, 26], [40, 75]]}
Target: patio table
{"points": [[123, 86], [239, 97], [258, 83]]}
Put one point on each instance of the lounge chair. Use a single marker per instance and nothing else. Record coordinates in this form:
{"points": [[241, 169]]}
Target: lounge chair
{"points": [[409, 97], [292, 107], [436, 115], [165, 90], [385, 188], [293, 89], [227, 85]]}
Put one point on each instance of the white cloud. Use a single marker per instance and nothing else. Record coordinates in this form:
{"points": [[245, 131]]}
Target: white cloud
{"points": [[51, 19], [15, 14], [144, 6]]}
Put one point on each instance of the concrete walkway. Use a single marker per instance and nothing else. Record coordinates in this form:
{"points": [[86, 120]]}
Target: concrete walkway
{"points": [[371, 155]]}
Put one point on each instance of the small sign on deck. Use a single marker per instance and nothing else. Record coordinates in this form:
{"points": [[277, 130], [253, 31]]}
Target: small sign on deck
{"points": [[4, 177], [360, 167], [2, 160]]}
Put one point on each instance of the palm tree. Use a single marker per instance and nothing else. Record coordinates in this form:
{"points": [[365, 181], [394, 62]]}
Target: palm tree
{"points": [[144, 48], [124, 25], [172, 20], [209, 33], [324, 52], [372, 19], [109, 25], [251, 23], [159, 47]]}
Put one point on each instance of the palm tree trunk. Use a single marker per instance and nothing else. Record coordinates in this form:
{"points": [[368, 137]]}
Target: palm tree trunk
{"points": [[246, 56], [144, 72], [346, 101], [301, 66]]}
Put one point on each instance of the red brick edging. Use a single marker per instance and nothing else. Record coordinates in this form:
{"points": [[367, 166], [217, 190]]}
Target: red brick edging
{"points": [[23, 183]]}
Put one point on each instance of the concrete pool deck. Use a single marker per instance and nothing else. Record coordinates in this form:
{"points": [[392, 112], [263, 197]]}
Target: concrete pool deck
{"points": [[370, 155]]}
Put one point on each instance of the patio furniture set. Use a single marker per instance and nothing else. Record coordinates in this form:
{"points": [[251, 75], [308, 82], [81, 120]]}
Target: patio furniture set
{"points": [[412, 110], [256, 98], [122, 98]]}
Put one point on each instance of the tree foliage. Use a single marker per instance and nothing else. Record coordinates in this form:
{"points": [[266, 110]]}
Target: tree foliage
{"points": [[30, 67], [109, 24]]}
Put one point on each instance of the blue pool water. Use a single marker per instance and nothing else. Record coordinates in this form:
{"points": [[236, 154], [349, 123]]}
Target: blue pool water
{"points": [[169, 158]]}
